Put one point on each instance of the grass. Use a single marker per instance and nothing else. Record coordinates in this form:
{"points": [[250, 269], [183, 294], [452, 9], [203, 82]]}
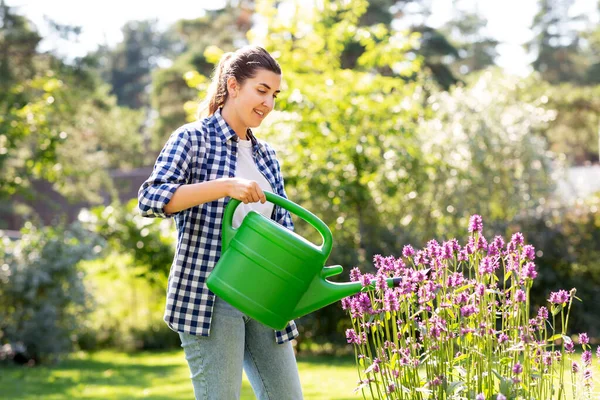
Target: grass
{"points": [[163, 375]]}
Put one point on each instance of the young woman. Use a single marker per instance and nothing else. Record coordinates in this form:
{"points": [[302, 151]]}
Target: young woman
{"points": [[202, 166]]}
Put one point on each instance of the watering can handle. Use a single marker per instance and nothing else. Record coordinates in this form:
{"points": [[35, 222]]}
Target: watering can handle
{"points": [[229, 232]]}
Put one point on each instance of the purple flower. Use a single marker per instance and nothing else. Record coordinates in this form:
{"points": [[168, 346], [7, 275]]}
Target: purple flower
{"points": [[346, 303], [366, 279], [543, 313], [381, 283], [500, 397], [480, 289], [583, 338], [517, 239], [363, 303], [468, 310], [408, 251], [520, 296], [463, 255], [587, 377], [391, 388], [480, 396], [496, 246], [470, 247], [355, 274], [569, 346], [475, 223], [528, 252], [586, 357], [502, 338], [390, 301], [547, 358], [456, 279], [560, 297], [438, 325], [448, 249], [517, 368], [352, 337], [488, 265], [598, 351], [575, 367], [482, 243], [433, 249], [529, 271], [421, 258]]}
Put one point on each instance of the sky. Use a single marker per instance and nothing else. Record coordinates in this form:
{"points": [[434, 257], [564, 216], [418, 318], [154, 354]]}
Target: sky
{"points": [[101, 21]]}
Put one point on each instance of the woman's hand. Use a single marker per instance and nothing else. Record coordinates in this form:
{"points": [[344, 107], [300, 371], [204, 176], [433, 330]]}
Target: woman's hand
{"points": [[246, 191]]}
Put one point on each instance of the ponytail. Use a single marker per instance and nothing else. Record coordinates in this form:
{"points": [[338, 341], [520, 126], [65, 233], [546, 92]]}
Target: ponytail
{"points": [[217, 91]]}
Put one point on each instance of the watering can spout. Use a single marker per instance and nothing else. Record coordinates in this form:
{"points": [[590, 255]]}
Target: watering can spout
{"points": [[322, 293]]}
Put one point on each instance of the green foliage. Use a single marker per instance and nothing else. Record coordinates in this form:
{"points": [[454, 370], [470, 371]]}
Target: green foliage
{"points": [[575, 128], [568, 242], [42, 296], [483, 154], [126, 307], [149, 242], [58, 123]]}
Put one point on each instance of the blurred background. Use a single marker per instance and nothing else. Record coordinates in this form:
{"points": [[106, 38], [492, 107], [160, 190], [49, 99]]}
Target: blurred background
{"points": [[398, 119]]}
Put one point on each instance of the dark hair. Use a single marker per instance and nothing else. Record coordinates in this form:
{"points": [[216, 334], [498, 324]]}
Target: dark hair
{"points": [[242, 64]]}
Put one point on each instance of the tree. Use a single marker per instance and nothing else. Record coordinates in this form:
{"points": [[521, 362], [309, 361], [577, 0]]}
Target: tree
{"points": [[475, 50], [556, 43], [128, 67], [58, 122]]}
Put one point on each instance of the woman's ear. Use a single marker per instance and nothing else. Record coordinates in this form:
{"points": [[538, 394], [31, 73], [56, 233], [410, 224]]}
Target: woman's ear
{"points": [[232, 86]]}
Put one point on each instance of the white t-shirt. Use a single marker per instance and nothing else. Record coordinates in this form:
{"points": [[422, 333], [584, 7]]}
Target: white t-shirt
{"points": [[247, 169]]}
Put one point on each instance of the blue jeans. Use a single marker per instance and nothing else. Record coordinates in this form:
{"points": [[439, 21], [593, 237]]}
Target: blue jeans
{"points": [[235, 342]]}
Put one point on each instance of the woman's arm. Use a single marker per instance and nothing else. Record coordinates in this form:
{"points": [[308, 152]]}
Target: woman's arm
{"points": [[191, 195]]}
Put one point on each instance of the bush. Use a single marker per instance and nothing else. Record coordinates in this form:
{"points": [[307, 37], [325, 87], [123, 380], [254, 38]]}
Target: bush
{"points": [[42, 296], [127, 307]]}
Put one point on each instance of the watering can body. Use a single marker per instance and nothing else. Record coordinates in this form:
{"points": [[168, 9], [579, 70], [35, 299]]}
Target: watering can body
{"points": [[272, 274]]}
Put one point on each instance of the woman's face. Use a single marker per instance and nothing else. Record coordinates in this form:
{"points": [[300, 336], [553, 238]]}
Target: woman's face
{"points": [[255, 98]]}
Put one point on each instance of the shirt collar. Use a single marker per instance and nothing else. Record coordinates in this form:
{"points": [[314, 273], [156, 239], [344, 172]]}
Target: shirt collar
{"points": [[227, 133]]}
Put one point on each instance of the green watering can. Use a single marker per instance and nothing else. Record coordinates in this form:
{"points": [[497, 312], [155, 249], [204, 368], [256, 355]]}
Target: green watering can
{"points": [[270, 273]]}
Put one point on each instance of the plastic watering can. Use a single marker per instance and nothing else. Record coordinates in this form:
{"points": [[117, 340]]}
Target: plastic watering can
{"points": [[272, 274]]}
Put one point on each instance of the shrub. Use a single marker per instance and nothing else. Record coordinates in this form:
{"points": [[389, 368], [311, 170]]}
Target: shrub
{"points": [[42, 296]]}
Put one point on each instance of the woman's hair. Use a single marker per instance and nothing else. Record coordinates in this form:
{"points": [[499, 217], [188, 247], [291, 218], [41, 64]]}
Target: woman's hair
{"points": [[242, 64]]}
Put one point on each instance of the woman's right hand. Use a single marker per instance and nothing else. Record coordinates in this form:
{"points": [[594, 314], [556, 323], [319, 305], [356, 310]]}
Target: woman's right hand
{"points": [[246, 191]]}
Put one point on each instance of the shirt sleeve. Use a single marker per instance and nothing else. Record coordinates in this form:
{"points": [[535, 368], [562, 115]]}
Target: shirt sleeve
{"points": [[171, 170]]}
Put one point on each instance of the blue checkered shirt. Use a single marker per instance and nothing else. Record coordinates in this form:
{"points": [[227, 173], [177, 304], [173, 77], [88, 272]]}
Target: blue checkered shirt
{"points": [[198, 152]]}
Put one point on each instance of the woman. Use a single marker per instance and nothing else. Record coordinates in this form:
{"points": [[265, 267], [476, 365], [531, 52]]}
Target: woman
{"points": [[202, 166]]}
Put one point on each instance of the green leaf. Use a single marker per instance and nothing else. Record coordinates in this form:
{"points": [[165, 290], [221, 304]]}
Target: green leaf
{"points": [[452, 387]]}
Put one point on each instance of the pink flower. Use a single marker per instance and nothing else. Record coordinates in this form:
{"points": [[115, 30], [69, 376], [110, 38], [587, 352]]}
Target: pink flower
{"points": [[408, 251], [475, 223], [517, 368], [560, 297]]}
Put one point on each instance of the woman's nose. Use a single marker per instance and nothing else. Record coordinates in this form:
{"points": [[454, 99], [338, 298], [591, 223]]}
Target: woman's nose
{"points": [[269, 103]]}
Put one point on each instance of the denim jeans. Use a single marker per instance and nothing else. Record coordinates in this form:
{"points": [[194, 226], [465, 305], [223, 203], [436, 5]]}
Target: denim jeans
{"points": [[235, 342]]}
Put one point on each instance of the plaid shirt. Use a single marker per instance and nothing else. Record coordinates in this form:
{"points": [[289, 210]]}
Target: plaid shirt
{"points": [[198, 152]]}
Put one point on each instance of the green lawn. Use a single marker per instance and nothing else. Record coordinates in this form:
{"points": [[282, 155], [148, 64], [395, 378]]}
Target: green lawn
{"points": [[110, 375]]}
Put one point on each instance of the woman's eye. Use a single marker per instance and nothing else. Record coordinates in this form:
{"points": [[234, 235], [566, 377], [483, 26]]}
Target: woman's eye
{"points": [[261, 91]]}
